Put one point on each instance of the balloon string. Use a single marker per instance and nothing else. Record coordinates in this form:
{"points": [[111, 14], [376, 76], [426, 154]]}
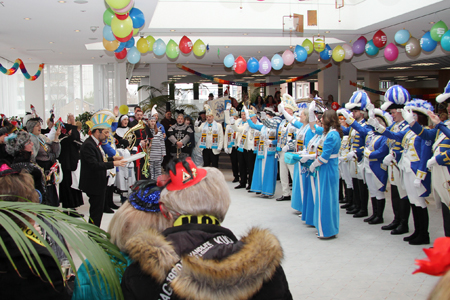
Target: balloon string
{"points": [[19, 63]]}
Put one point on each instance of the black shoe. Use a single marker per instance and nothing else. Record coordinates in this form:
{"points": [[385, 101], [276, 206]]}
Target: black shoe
{"points": [[401, 229], [370, 218], [342, 200], [241, 186], [352, 207], [391, 226], [108, 211], [376, 220], [346, 205], [250, 191], [284, 198], [248, 187], [258, 193], [236, 180], [353, 211], [423, 238], [360, 214]]}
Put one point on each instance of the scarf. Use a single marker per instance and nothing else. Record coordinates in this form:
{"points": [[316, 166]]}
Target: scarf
{"points": [[209, 129]]}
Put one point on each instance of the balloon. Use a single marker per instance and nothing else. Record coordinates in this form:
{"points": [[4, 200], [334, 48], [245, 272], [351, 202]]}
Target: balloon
{"points": [[427, 43], [338, 54], [186, 46], [240, 65], [348, 51], [120, 48], [125, 39], [137, 16], [122, 28], [391, 52], [172, 50], [288, 57], [438, 30], [358, 46], [135, 31], [133, 56], [130, 43], [379, 39], [150, 41], [277, 62], [326, 53], [402, 36], [264, 65], [371, 49], [159, 47], [363, 38], [125, 9], [412, 47], [307, 44], [123, 109], [117, 4], [142, 45], [122, 54], [122, 17], [228, 61], [110, 45], [199, 48], [108, 15], [319, 45], [300, 53], [252, 65], [108, 34], [445, 41]]}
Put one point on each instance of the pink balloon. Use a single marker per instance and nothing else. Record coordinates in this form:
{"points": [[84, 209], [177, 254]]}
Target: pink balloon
{"points": [[391, 52], [288, 57], [125, 9], [264, 65], [348, 51]]}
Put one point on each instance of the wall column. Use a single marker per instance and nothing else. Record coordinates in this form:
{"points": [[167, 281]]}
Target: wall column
{"points": [[121, 84], [372, 80], [328, 81], [158, 75]]}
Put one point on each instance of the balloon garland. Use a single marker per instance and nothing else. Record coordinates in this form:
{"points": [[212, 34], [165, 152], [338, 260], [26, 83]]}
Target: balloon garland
{"points": [[263, 84], [19, 63]]}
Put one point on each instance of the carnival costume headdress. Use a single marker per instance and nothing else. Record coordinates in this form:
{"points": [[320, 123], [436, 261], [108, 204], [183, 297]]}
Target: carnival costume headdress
{"points": [[145, 196], [358, 100], [233, 112], [289, 102], [208, 110], [396, 97], [444, 96], [183, 174], [419, 106], [100, 120], [384, 115]]}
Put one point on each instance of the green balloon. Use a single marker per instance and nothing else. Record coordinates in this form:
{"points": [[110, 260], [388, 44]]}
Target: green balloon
{"points": [[150, 41], [438, 30], [108, 15], [172, 49], [308, 45]]}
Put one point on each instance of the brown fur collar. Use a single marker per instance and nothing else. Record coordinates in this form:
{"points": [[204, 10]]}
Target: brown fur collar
{"points": [[239, 276]]}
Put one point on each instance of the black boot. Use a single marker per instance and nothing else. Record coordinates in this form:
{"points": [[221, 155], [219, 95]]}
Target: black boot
{"points": [[356, 198], [363, 211], [341, 191], [446, 218], [405, 209], [380, 209], [423, 237], [416, 224], [374, 210], [348, 198], [395, 198]]}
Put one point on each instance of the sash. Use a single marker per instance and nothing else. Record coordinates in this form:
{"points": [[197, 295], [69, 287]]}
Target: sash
{"points": [[301, 138], [272, 147], [243, 139], [257, 138], [440, 138], [231, 137], [282, 135], [209, 130]]}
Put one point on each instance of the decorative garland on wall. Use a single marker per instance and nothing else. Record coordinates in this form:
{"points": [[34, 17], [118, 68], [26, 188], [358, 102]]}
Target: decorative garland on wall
{"points": [[262, 84], [19, 63]]}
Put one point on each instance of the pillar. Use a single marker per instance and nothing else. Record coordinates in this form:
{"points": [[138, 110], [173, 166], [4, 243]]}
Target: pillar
{"points": [[120, 88], [348, 73], [158, 75], [328, 81]]}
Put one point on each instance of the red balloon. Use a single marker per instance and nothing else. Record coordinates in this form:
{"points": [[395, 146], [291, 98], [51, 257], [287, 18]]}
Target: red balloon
{"points": [[379, 39], [122, 54], [335, 106], [362, 38], [125, 39], [122, 17], [240, 65], [185, 45]]}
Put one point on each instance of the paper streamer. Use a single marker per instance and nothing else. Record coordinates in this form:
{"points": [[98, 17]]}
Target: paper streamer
{"points": [[19, 63], [262, 84]]}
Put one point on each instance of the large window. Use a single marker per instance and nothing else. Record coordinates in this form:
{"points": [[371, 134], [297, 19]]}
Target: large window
{"points": [[12, 94]]}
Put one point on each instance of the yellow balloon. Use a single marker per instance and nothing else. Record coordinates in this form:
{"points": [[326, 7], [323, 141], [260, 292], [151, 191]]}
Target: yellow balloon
{"points": [[142, 45], [123, 109], [135, 31], [308, 45], [199, 48], [121, 28], [110, 45], [338, 54], [150, 41], [319, 45]]}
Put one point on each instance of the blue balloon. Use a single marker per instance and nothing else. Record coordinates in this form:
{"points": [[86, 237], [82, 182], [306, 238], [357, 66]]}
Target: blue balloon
{"points": [[108, 34], [277, 62], [402, 36], [427, 43], [228, 61], [137, 16], [300, 53], [253, 65], [133, 55], [129, 43], [159, 47], [326, 53], [445, 41], [371, 49], [121, 47]]}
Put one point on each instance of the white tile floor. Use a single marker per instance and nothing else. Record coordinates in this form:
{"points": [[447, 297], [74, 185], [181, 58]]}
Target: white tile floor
{"points": [[363, 262]]}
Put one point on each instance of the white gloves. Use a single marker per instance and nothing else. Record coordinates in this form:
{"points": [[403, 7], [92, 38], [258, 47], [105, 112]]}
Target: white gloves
{"points": [[281, 107], [196, 123], [312, 115], [367, 152], [373, 122], [263, 115], [388, 159], [370, 107], [431, 162], [307, 157], [314, 165], [285, 148], [342, 158], [232, 120], [246, 112], [227, 150], [351, 155], [348, 119], [417, 182], [228, 107], [408, 116]]}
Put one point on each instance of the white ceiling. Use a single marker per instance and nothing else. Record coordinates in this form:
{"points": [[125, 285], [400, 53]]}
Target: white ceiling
{"points": [[220, 24]]}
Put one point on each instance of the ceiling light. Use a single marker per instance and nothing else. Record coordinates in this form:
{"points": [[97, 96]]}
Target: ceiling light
{"points": [[60, 52], [432, 22], [93, 39], [219, 75], [247, 77], [424, 64], [399, 68], [93, 57], [445, 68], [327, 31], [13, 48], [245, 33], [61, 1], [259, 51], [28, 19], [187, 62], [172, 30], [80, 1], [420, 76], [430, 78], [50, 42], [410, 80], [77, 30], [29, 58], [227, 46], [400, 76]]}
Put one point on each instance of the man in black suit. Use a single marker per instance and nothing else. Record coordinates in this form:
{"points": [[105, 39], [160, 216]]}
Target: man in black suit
{"points": [[93, 170]]}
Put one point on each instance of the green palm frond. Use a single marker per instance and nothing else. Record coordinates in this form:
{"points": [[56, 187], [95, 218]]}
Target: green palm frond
{"points": [[87, 241]]}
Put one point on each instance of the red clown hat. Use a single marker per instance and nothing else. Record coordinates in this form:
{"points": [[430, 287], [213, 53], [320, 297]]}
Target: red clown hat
{"points": [[184, 175]]}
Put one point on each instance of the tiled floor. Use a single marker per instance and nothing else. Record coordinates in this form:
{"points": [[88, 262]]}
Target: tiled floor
{"points": [[363, 262]]}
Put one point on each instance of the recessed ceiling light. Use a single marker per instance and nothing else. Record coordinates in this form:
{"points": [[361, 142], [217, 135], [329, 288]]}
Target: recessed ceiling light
{"points": [[93, 57], [82, 10], [424, 64], [259, 51], [410, 80], [399, 68], [187, 62], [220, 75], [400, 76], [227, 46], [61, 1], [28, 19], [420, 76], [29, 58], [93, 39], [245, 33], [430, 78], [50, 42], [445, 68], [432, 22], [327, 31], [172, 30], [13, 48], [80, 1], [60, 52], [77, 30]]}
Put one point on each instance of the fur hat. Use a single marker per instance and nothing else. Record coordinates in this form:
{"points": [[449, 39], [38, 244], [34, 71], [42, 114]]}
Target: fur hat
{"points": [[16, 142], [358, 100], [396, 97], [444, 96], [289, 102]]}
